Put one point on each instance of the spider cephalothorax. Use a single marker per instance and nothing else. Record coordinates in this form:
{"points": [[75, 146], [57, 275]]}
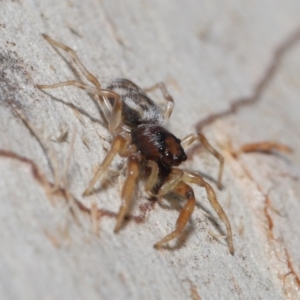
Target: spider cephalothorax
{"points": [[137, 126], [158, 144]]}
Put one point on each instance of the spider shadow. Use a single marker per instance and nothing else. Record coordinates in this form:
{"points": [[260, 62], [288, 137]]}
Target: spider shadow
{"points": [[73, 106]]}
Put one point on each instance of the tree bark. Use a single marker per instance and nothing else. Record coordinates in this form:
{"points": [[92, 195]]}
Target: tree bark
{"points": [[233, 70]]}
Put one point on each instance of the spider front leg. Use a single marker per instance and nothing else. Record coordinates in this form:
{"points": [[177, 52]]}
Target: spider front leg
{"points": [[188, 140], [152, 179], [177, 183], [170, 102], [172, 180], [190, 177], [185, 191], [173, 183]]}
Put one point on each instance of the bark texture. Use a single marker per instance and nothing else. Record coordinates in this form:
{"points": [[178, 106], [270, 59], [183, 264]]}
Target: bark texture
{"points": [[233, 69]]}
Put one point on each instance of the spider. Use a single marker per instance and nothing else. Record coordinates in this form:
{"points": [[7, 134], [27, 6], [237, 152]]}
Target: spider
{"points": [[137, 126]]}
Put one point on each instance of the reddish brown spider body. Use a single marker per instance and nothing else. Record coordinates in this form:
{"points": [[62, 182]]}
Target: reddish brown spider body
{"points": [[157, 144], [137, 126]]}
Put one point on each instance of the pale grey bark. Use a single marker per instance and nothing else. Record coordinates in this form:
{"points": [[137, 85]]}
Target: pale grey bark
{"points": [[210, 54]]}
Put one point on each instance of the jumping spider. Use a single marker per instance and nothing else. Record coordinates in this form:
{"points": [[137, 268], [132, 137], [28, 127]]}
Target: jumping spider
{"points": [[136, 124]]}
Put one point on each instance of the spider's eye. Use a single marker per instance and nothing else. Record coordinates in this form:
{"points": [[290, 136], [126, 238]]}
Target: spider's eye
{"points": [[168, 154], [168, 157]]}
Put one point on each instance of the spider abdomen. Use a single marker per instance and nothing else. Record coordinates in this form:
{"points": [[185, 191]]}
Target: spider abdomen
{"points": [[137, 107]]}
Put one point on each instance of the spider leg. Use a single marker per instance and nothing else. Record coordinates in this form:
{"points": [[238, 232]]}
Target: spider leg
{"points": [[152, 179], [88, 75], [177, 182], [185, 191], [170, 102], [128, 188], [117, 146], [116, 110], [265, 146], [193, 137], [171, 182], [190, 177]]}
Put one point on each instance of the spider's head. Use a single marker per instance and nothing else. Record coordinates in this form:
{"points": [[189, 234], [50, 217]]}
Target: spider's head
{"points": [[158, 144]]}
